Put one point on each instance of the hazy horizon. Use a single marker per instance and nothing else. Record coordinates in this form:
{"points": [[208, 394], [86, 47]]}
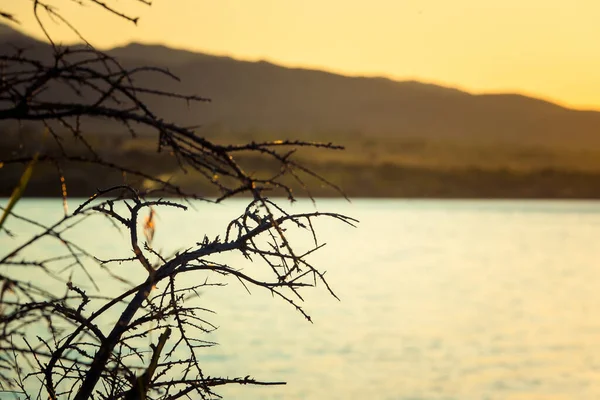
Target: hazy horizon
{"points": [[539, 49]]}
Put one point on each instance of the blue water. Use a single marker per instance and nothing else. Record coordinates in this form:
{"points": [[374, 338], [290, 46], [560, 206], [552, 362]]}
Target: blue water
{"points": [[464, 300]]}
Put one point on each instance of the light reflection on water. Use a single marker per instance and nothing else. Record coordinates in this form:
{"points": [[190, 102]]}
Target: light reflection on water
{"points": [[440, 300]]}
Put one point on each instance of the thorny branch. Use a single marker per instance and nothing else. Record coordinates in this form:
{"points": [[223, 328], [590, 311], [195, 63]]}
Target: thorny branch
{"points": [[58, 335]]}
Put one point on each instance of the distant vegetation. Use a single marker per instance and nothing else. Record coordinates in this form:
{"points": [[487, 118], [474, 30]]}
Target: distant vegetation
{"points": [[384, 168]]}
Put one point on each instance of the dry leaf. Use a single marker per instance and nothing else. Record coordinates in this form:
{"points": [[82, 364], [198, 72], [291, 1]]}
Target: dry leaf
{"points": [[149, 226]]}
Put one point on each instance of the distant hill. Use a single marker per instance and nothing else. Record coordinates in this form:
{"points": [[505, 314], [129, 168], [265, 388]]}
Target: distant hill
{"points": [[402, 138], [264, 98]]}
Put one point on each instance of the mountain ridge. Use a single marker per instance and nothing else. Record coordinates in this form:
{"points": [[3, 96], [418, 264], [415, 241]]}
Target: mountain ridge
{"points": [[7, 30], [263, 98], [119, 50]]}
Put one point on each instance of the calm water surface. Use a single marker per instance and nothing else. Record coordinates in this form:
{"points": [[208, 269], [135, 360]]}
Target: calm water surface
{"points": [[440, 300]]}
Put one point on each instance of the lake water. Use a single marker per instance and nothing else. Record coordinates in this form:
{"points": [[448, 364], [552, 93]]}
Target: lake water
{"points": [[464, 300]]}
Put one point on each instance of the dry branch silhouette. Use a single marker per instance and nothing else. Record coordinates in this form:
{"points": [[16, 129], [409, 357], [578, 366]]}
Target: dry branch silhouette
{"points": [[52, 344]]}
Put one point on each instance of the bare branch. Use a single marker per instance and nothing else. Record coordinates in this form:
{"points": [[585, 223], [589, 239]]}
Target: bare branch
{"points": [[74, 353]]}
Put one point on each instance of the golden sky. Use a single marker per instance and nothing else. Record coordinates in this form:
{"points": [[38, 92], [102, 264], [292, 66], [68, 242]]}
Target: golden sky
{"points": [[544, 48]]}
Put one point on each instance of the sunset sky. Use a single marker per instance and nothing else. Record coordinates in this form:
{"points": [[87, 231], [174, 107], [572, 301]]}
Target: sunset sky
{"points": [[544, 48]]}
